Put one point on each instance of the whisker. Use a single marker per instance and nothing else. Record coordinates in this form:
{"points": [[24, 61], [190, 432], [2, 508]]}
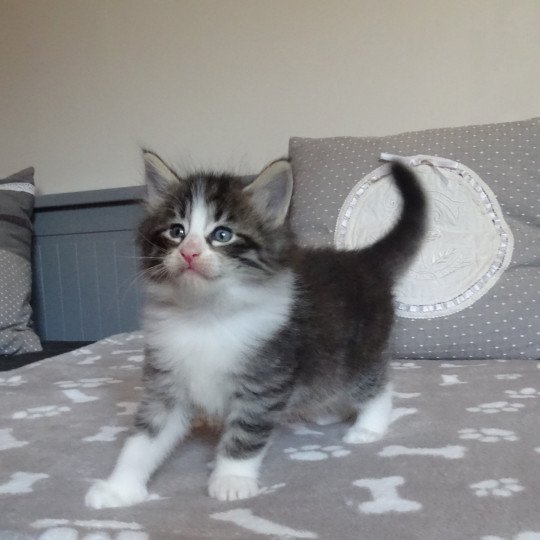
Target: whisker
{"points": [[158, 271], [159, 248]]}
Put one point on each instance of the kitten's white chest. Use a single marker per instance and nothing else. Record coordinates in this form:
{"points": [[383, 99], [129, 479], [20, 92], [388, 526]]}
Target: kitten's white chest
{"points": [[205, 362], [202, 357], [207, 350]]}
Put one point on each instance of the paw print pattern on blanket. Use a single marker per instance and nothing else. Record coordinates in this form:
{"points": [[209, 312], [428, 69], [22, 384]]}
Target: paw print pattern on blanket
{"points": [[505, 487], [63, 529], [405, 365], [314, 452], [81, 352], [524, 393], [525, 535], [132, 352], [21, 482], [126, 367], [89, 360], [87, 383], [488, 435], [452, 365], [106, 434], [131, 337], [16, 380], [7, 441], [71, 388], [496, 407], [40, 412], [451, 380]]}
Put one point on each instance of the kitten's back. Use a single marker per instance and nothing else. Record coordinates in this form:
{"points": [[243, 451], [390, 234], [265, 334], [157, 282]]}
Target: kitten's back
{"points": [[344, 311]]}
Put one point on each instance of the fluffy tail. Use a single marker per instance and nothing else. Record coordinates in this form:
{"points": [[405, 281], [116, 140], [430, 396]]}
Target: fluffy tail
{"points": [[397, 248]]}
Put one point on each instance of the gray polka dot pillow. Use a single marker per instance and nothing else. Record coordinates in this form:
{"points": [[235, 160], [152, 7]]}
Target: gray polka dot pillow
{"points": [[484, 233], [16, 207]]}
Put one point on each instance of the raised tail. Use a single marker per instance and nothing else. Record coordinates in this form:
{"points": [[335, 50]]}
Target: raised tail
{"points": [[396, 249]]}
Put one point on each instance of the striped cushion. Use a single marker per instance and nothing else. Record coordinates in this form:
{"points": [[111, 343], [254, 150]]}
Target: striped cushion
{"points": [[16, 206]]}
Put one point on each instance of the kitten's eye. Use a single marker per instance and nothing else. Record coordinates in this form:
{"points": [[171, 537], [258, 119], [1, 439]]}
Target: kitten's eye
{"points": [[177, 231], [222, 235]]}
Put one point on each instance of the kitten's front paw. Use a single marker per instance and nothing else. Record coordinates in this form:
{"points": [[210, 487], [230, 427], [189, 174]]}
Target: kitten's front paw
{"points": [[232, 488], [361, 436], [106, 494]]}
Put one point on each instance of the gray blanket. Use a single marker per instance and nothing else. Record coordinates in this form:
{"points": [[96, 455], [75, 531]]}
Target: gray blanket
{"points": [[461, 460]]}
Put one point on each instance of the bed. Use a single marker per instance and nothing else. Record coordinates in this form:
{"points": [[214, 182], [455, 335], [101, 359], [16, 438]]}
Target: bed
{"points": [[461, 457]]}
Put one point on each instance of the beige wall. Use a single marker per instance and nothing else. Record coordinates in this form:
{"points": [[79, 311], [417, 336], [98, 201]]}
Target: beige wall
{"points": [[227, 82]]}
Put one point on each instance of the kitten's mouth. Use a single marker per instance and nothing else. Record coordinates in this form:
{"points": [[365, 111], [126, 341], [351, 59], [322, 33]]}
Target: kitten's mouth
{"points": [[191, 271]]}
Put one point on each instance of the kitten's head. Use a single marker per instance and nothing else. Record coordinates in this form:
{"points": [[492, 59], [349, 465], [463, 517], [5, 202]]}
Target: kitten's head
{"points": [[205, 228]]}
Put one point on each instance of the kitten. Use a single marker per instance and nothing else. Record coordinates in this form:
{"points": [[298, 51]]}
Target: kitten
{"points": [[242, 323]]}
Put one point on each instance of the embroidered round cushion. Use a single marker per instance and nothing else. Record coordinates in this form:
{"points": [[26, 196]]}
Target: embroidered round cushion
{"points": [[468, 243]]}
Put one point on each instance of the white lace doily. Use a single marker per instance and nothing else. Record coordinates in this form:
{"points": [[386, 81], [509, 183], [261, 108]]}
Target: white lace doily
{"points": [[468, 244]]}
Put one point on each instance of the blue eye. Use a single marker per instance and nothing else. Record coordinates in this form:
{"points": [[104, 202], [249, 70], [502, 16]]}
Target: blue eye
{"points": [[177, 231], [222, 234]]}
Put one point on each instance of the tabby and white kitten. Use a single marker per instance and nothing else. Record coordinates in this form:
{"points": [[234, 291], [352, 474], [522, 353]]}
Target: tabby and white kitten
{"points": [[242, 323]]}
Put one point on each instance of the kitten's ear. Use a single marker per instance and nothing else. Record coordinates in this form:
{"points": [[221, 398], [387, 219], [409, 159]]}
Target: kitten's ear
{"points": [[159, 177], [271, 192]]}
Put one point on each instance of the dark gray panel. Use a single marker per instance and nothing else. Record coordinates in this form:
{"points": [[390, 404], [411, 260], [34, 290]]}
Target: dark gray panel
{"points": [[86, 285], [85, 198], [71, 289], [51, 292], [108, 284], [87, 219], [89, 287], [38, 298]]}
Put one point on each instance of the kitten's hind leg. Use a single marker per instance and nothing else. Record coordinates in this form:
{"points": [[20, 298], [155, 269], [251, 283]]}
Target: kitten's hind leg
{"points": [[373, 419], [141, 455], [334, 413]]}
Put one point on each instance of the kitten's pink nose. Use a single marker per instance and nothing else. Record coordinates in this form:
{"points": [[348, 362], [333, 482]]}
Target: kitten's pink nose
{"points": [[189, 255]]}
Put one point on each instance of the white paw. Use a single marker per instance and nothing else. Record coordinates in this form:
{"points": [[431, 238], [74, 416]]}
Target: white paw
{"points": [[361, 436], [105, 494], [232, 488]]}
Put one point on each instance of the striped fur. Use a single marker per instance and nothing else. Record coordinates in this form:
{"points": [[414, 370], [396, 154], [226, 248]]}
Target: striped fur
{"points": [[257, 329]]}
